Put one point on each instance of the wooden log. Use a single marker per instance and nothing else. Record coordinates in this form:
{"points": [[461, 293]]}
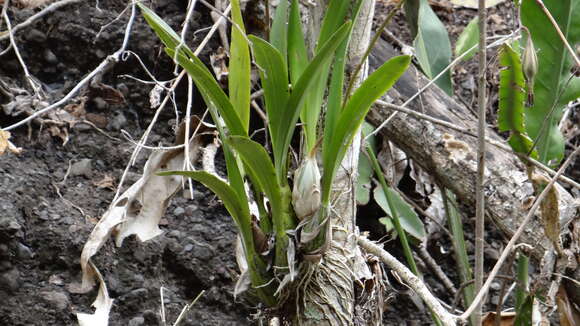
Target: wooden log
{"points": [[450, 156]]}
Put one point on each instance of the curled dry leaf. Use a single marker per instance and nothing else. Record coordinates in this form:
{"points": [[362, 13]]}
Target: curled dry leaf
{"points": [[5, 143], [549, 209], [140, 208], [102, 304]]}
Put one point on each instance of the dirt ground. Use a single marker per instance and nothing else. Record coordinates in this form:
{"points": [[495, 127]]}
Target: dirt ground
{"points": [[52, 194]]}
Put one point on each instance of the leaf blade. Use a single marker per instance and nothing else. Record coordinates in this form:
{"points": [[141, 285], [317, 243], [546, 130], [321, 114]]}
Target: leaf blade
{"points": [[353, 114], [239, 67]]}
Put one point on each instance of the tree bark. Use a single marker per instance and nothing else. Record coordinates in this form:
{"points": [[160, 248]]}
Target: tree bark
{"points": [[449, 155], [328, 295]]}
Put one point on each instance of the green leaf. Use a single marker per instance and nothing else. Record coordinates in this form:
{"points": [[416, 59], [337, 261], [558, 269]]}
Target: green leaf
{"points": [[239, 67], [553, 74], [468, 38], [297, 54], [521, 143], [511, 92], [211, 91], [353, 115], [524, 313], [274, 77], [167, 35], [523, 280], [258, 161], [433, 46], [279, 31], [303, 89], [333, 19], [410, 222], [365, 169], [336, 14]]}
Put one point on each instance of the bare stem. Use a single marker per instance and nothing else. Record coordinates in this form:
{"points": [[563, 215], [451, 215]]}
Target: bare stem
{"points": [[479, 193], [515, 237]]}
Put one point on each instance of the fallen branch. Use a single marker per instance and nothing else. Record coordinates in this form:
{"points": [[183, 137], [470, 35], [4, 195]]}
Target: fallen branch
{"points": [[411, 280]]}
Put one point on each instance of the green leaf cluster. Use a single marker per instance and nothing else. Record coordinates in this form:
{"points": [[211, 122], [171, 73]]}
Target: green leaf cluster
{"points": [[294, 85]]}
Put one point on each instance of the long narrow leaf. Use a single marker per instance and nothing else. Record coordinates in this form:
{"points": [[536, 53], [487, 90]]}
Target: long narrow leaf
{"points": [[274, 77], [353, 115], [334, 18], [279, 32], [258, 160], [209, 87], [239, 67], [297, 54], [302, 89]]}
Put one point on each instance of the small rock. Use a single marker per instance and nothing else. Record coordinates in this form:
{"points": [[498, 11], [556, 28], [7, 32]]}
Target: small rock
{"points": [[55, 279], [100, 53], [150, 317], [189, 210], [10, 281], [9, 225], [100, 103], [3, 249], [174, 234], [23, 252], [82, 167], [35, 35], [178, 211], [203, 253], [117, 122], [99, 120], [188, 247], [5, 265], [137, 321], [57, 299], [50, 57], [123, 89]]}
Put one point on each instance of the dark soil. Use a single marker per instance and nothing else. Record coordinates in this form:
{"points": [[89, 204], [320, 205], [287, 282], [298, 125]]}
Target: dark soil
{"points": [[42, 234], [47, 213]]}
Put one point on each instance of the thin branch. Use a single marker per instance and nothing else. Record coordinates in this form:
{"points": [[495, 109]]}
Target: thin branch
{"points": [[105, 64], [480, 177], [411, 280], [52, 7], [515, 237], [33, 84]]}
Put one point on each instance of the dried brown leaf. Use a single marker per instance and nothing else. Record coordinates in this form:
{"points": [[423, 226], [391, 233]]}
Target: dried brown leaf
{"points": [[569, 315], [5, 143], [549, 209], [506, 319], [107, 182]]}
